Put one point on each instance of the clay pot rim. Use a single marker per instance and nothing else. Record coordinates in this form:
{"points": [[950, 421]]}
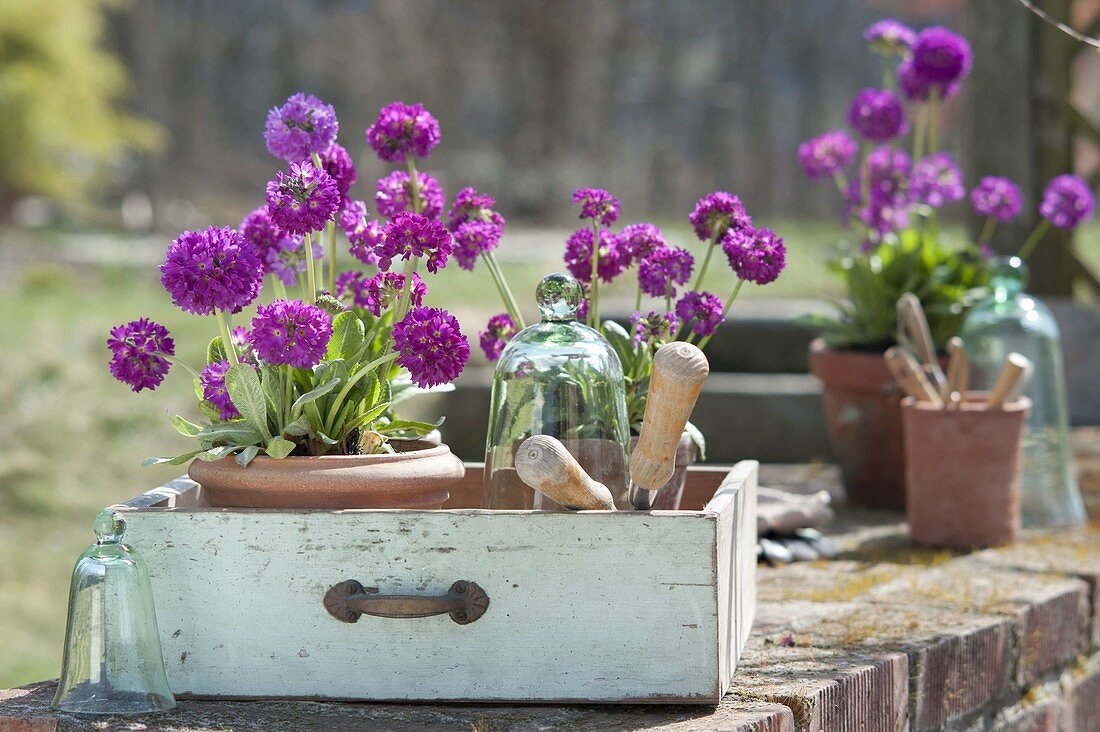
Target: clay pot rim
{"points": [[974, 404], [371, 458], [818, 347]]}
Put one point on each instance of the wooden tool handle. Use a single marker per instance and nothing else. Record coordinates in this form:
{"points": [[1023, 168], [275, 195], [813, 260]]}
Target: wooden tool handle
{"points": [[679, 370], [958, 371], [544, 464], [1016, 369], [912, 321], [910, 376]]}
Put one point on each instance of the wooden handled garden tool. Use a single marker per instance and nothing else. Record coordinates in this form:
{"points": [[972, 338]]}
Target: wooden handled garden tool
{"points": [[679, 370], [544, 464], [914, 332], [1011, 382], [910, 376], [958, 372]]}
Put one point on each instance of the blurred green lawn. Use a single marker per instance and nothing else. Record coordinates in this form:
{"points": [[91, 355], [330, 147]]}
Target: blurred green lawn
{"points": [[73, 439]]}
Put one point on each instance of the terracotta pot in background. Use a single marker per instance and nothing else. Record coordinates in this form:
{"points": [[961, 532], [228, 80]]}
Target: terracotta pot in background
{"points": [[962, 469], [669, 497], [417, 476], [863, 418]]}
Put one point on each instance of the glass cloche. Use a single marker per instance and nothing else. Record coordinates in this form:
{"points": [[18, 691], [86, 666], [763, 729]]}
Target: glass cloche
{"points": [[1011, 320], [560, 378]]}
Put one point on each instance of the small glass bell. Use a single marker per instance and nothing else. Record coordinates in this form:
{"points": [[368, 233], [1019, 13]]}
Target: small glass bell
{"points": [[558, 378], [1011, 320], [113, 662]]}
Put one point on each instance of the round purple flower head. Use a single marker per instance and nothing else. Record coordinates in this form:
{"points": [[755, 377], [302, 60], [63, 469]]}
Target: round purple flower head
{"points": [[663, 269], [827, 154], [889, 174], [380, 292], [716, 212], [578, 256], [877, 115], [941, 56], [337, 163], [394, 195], [937, 181], [287, 258], [139, 351], [889, 37], [412, 235], [598, 205], [216, 269], [303, 199], [496, 335], [365, 234], [473, 238], [258, 229], [917, 88], [302, 126], [997, 197], [402, 130], [639, 240], [212, 381], [654, 328], [703, 308], [755, 256], [1067, 201], [470, 205], [290, 332], [431, 346]]}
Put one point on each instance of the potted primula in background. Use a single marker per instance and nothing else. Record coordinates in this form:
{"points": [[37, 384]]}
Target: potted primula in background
{"points": [[299, 405], [683, 311]]}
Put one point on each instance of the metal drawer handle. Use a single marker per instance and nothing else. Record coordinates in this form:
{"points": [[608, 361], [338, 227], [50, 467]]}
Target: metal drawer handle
{"points": [[465, 601]]}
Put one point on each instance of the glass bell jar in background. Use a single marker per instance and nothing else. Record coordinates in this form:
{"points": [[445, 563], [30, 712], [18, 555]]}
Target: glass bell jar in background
{"points": [[1011, 320], [113, 662], [560, 378]]}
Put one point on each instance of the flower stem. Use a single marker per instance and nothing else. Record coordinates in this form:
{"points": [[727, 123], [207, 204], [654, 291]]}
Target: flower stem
{"points": [[726, 308], [594, 302], [918, 132], [841, 181], [638, 298], [227, 340], [502, 287], [280, 288], [414, 185], [887, 74], [933, 104], [177, 362], [332, 257], [706, 262], [1033, 240], [311, 273], [987, 231]]}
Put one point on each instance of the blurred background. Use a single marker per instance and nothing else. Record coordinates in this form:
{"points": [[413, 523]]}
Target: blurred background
{"points": [[123, 123]]}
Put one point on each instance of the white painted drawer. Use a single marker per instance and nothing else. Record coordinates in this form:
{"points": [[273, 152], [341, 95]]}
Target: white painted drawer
{"points": [[591, 606]]}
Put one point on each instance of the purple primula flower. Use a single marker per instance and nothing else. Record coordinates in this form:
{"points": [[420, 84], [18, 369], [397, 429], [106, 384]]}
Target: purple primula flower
{"points": [[472, 238], [287, 258], [937, 181], [597, 205], [239, 337], [663, 269], [886, 205], [380, 292], [496, 335], [290, 332], [997, 197], [431, 346], [717, 212], [337, 163], [412, 235], [638, 240], [365, 234], [704, 309], [303, 199], [755, 256], [139, 353], [578, 255], [827, 154], [302, 126], [402, 130], [889, 37], [216, 269], [582, 309], [889, 174], [654, 328], [941, 56], [916, 88], [394, 195], [212, 381], [470, 205], [1067, 201], [877, 115], [263, 233]]}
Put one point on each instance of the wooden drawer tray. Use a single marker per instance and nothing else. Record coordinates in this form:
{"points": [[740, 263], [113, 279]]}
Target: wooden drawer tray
{"points": [[594, 606]]}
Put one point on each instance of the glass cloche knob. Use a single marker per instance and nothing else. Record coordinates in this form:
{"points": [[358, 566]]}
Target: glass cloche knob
{"points": [[559, 297], [109, 526]]}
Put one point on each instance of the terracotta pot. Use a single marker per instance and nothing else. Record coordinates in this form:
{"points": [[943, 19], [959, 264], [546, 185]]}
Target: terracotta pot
{"points": [[415, 477], [863, 417], [669, 497], [962, 469]]}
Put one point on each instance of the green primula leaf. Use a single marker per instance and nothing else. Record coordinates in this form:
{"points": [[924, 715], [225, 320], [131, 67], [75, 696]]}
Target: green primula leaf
{"points": [[317, 393], [272, 381], [698, 439], [210, 411], [243, 385], [348, 336], [407, 426], [280, 448], [247, 455], [218, 453], [297, 428], [326, 439], [177, 460], [215, 352], [185, 428], [235, 433]]}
